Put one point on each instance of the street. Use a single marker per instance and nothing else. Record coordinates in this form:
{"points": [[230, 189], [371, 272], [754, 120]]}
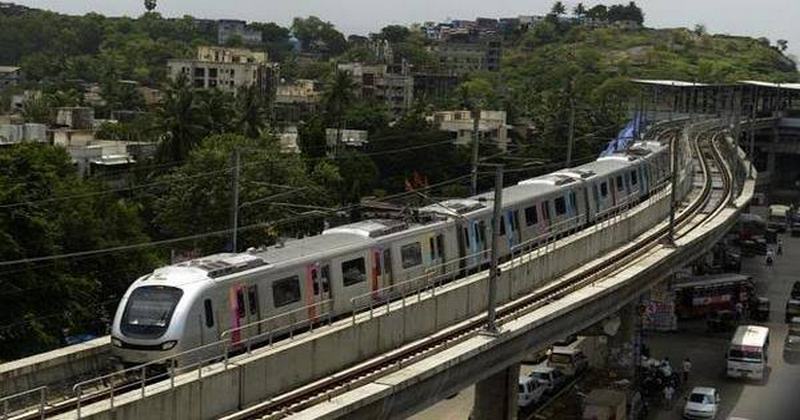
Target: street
{"points": [[777, 399]]}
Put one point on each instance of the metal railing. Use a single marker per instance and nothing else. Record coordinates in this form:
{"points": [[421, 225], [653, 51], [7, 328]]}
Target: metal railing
{"points": [[6, 402]]}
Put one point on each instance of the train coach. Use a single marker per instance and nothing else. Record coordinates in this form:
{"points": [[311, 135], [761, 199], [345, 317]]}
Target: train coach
{"points": [[191, 304]]}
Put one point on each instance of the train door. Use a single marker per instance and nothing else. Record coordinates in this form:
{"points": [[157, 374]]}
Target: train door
{"points": [[386, 262], [318, 288], [436, 253], [572, 208], [238, 312], [545, 207], [377, 273], [462, 235], [512, 228], [253, 310]]}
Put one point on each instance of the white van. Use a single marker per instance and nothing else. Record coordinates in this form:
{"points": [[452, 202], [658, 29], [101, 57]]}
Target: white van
{"points": [[748, 353], [530, 391], [569, 360]]}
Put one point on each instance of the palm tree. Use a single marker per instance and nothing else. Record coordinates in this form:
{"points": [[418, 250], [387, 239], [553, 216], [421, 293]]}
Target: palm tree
{"points": [[338, 98], [219, 109], [579, 11], [252, 111], [180, 121], [558, 8]]}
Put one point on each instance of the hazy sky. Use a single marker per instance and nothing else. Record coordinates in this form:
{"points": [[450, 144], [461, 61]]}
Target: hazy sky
{"points": [[774, 19]]}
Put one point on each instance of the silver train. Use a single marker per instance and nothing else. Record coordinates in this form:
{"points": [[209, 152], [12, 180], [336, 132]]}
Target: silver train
{"points": [[191, 304]]}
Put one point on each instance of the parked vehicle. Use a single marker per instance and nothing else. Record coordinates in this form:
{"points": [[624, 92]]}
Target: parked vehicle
{"points": [[703, 295], [760, 311], [778, 217], [748, 353], [702, 403], [721, 321], [795, 293], [569, 360], [552, 378], [794, 326], [530, 391], [792, 309]]}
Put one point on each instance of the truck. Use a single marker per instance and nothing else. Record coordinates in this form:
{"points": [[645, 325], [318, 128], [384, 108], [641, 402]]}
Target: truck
{"points": [[605, 404], [569, 360]]}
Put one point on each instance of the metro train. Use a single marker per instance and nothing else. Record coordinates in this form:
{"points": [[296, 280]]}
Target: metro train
{"points": [[190, 304]]}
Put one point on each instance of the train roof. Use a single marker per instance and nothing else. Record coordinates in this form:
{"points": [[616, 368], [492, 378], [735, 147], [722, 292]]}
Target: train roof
{"points": [[455, 207], [313, 245]]}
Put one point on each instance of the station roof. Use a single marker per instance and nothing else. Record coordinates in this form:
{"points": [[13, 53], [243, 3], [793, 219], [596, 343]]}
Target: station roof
{"points": [[683, 84], [670, 83], [789, 86]]}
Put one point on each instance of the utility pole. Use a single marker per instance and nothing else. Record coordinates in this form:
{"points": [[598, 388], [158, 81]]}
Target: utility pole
{"points": [[494, 272], [571, 140], [235, 207], [476, 121]]}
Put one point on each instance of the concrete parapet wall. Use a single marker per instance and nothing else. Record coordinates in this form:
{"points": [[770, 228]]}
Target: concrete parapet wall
{"points": [[250, 379], [54, 366]]}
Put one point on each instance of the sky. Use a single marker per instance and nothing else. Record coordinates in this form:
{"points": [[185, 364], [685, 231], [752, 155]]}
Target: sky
{"points": [[774, 19]]}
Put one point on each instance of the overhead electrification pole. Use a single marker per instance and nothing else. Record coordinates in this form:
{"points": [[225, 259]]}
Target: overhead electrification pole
{"points": [[476, 121], [494, 273]]}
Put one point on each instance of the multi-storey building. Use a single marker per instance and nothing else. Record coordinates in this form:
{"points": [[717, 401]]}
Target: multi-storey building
{"points": [[492, 126], [296, 100], [227, 69], [463, 55], [396, 90], [229, 29]]}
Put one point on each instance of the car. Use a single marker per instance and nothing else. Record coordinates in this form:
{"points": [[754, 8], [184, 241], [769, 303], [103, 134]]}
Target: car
{"points": [[702, 403], [530, 391], [792, 344], [761, 307], [792, 309], [552, 378], [795, 294]]}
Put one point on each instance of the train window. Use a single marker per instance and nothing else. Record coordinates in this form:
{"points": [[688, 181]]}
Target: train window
{"points": [[252, 299], [502, 226], [604, 189], [482, 232], [531, 216], [561, 206], [634, 178], [353, 271], [209, 313], [286, 291], [240, 303], [620, 183], [515, 221], [431, 249], [440, 245], [411, 255]]}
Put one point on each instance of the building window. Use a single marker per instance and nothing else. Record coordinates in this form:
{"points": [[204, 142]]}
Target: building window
{"points": [[411, 255], [200, 72], [353, 271], [531, 216], [286, 291], [212, 72], [561, 206]]}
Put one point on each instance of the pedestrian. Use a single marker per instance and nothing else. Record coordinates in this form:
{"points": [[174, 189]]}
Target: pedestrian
{"points": [[687, 368], [739, 311], [780, 246], [770, 257], [669, 391]]}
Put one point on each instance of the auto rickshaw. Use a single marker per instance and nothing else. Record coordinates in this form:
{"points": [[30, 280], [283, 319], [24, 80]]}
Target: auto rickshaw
{"points": [[760, 311]]}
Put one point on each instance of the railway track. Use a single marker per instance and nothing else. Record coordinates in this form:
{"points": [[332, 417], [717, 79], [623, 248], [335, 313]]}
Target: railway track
{"points": [[306, 396], [715, 173]]}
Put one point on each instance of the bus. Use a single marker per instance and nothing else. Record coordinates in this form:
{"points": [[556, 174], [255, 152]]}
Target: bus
{"points": [[778, 217], [701, 296], [747, 353]]}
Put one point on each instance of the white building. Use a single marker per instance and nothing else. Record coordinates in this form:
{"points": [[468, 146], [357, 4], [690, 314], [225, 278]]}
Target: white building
{"points": [[225, 68], [20, 133], [492, 126]]}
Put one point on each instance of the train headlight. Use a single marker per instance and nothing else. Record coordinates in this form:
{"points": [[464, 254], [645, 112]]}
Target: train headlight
{"points": [[168, 345], [116, 342]]}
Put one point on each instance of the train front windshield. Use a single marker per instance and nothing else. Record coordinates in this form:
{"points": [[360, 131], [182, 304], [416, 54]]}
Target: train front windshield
{"points": [[149, 310]]}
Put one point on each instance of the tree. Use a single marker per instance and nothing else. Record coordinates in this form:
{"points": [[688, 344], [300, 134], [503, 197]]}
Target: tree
{"points": [[558, 8], [219, 110], [198, 195], [37, 110], [599, 12], [395, 33], [150, 5], [179, 118], [318, 36], [783, 44], [338, 97], [252, 111], [40, 300]]}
